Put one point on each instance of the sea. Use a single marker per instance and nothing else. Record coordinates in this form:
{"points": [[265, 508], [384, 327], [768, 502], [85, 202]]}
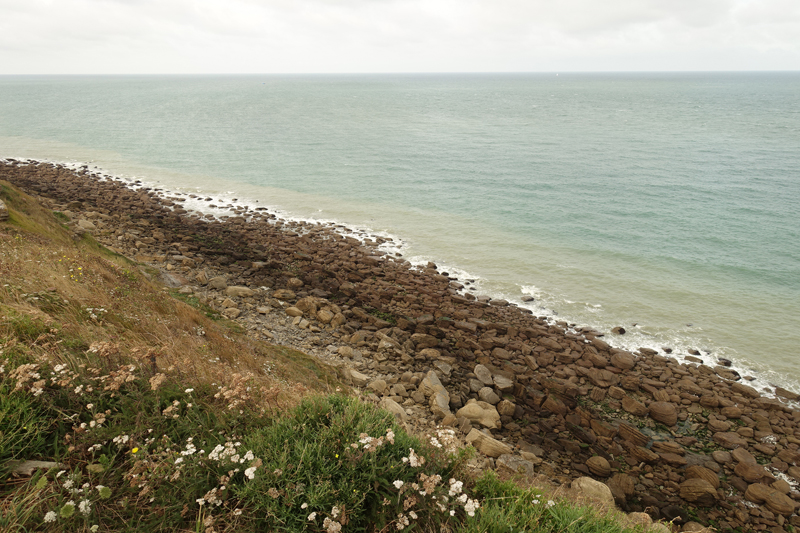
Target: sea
{"points": [[664, 203]]}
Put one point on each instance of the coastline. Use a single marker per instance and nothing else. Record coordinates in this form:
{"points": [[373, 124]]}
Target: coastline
{"points": [[684, 346], [561, 397]]}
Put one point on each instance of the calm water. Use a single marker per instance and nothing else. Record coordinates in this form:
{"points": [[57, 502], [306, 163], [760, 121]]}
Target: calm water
{"points": [[660, 200]]}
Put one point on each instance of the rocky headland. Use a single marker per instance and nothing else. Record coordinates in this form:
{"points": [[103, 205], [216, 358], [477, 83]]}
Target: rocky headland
{"points": [[689, 442]]}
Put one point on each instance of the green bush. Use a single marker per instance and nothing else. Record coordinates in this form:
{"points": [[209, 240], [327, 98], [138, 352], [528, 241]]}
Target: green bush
{"points": [[508, 508], [337, 462]]}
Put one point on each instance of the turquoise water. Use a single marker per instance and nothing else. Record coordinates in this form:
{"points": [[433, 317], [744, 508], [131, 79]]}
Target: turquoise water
{"points": [[656, 199]]}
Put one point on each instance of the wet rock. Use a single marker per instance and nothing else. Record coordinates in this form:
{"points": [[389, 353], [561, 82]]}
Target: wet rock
{"points": [[619, 330]]}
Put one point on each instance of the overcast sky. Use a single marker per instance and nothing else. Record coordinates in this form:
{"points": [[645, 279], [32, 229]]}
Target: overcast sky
{"points": [[310, 36]]}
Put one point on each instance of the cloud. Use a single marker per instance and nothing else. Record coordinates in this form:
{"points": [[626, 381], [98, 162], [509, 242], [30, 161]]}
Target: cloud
{"points": [[127, 36]]}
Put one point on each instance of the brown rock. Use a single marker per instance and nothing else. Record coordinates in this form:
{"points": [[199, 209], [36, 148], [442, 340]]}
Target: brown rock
{"points": [[751, 472], [599, 466], [722, 457], [599, 377], [741, 455], [664, 412], [283, 294], [729, 440], [623, 360], [622, 487], [698, 491], [673, 459], [779, 503], [744, 390], [633, 435], [633, 407], [701, 472], [731, 412], [643, 455]]}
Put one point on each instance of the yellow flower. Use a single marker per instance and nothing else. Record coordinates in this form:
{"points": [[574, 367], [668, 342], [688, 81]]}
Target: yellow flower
{"points": [[337, 455], [134, 450]]}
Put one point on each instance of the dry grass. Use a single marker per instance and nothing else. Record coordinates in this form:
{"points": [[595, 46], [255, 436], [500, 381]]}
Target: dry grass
{"points": [[78, 295]]}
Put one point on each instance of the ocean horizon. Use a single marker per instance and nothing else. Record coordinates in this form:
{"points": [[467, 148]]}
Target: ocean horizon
{"points": [[664, 203]]}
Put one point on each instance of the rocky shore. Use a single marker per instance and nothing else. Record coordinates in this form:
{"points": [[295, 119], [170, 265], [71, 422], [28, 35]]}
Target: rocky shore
{"points": [[688, 442]]}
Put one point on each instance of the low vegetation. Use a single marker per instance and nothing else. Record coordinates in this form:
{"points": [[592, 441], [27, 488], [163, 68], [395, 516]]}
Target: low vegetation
{"points": [[151, 413]]}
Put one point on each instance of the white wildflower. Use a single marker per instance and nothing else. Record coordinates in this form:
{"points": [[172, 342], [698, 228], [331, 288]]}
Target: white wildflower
{"points": [[397, 484], [312, 516], [85, 507], [50, 517]]}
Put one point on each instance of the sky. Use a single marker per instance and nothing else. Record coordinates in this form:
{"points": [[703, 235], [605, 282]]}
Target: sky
{"points": [[355, 36]]}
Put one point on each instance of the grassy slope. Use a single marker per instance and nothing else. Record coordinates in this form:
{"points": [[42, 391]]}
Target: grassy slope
{"points": [[132, 390]]}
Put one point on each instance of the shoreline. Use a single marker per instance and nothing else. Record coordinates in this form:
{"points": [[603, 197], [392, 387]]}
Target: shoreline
{"points": [[225, 205], [667, 432]]}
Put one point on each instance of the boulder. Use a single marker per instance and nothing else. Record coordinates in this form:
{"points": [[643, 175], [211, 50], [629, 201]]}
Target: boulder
{"points": [[698, 491], [503, 383], [3, 211], [325, 316], [484, 375], [623, 360], [378, 386], [596, 492], [664, 412], [488, 395], [393, 407], [231, 313], [430, 385], [284, 294], [239, 291], [219, 283], [293, 311], [513, 464], [295, 283], [86, 225], [506, 408], [633, 407], [729, 440], [439, 404], [480, 412], [701, 472], [487, 445], [599, 466]]}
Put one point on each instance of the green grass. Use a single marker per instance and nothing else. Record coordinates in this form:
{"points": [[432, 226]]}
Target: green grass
{"points": [[508, 508], [327, 455]]}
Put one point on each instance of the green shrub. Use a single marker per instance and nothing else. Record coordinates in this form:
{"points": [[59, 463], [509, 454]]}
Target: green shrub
{"points": [[337, 462]]}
